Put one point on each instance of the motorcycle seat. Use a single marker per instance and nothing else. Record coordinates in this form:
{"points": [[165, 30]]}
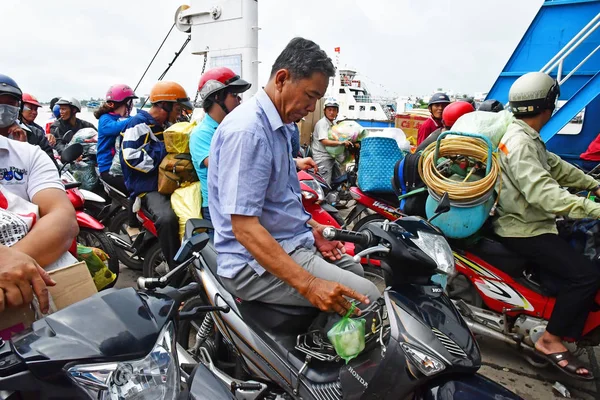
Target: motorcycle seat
{"points": [[498, 255]]}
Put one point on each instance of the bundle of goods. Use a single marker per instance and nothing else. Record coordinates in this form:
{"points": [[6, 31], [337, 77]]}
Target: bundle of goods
{"points": [[342, 131], [176, 169], [378, 153], [465, 167], [84, 171]]}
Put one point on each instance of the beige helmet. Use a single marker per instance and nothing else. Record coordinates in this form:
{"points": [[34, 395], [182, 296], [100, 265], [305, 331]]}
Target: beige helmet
{"points": [[533, 93]]}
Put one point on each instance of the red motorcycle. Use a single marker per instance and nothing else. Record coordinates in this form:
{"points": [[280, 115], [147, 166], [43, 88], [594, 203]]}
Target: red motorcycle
{"points": [[499, 294], [91, 231], [313, 204]]}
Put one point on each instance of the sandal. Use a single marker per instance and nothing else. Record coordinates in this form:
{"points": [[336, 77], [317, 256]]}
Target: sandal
{"points": [[571, 368]]}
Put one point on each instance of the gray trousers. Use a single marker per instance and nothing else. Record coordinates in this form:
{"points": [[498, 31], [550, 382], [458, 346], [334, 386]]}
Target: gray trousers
{"points": [[249, 286], [328, 165]]}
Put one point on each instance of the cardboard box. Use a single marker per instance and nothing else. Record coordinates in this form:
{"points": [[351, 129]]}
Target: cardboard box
{"points": [[73, 283], [410, 122]]}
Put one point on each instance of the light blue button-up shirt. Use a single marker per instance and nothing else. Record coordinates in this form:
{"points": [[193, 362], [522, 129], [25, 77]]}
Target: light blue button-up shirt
{"points": [[252, 173]]}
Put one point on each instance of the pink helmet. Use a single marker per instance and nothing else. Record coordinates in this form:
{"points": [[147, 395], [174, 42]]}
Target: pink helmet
{"points": [[119, 93]]}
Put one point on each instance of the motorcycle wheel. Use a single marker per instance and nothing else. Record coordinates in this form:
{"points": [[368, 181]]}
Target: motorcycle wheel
{"points": [[119, 225], [153, 258], [92, 238], [378, 276], [367, 220]]}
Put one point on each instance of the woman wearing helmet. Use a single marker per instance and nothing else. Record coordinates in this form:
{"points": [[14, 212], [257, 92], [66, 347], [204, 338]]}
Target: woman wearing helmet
{"points": [[220, 90], [533, 194], [142, 151], [112, 117], [449, 116], [436, 106], [68, 124], [320, 138]]}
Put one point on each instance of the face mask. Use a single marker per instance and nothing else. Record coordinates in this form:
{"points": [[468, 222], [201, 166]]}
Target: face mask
{"points": [[8, 115]]}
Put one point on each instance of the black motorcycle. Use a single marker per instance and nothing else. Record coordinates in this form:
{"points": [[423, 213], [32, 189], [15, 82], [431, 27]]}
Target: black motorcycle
{"points": [[417, 345], [117, 344]]}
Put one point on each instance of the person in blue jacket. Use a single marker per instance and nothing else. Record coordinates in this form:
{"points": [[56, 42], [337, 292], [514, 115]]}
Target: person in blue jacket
{"points": [[112, 117]]}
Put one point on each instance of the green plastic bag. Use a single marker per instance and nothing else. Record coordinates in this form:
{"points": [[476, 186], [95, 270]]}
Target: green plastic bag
{"points": [[95, 260], [348, 336]]}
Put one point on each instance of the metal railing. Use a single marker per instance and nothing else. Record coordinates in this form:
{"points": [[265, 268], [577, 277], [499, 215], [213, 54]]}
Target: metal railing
{"points": [[558, 59]]}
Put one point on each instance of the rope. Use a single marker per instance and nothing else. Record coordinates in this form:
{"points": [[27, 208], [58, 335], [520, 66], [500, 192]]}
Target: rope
{"points": [[155, 54], [458, 191], [177, 54]]}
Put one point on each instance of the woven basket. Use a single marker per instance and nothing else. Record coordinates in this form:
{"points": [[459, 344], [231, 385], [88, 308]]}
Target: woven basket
{"points": [[378, 155]]}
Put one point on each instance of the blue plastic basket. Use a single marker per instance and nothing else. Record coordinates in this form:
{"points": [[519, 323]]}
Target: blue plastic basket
{"points": [[378, 155]]}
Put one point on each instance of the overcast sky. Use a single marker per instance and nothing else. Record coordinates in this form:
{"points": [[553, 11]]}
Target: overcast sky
{"points": [[79, 47]]}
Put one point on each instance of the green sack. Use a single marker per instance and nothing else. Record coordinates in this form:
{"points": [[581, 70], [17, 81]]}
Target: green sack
{"points": [[348, 336], [95, 260]]}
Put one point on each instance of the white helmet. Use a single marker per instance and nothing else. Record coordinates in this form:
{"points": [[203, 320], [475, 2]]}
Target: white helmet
{"points": [[71, 101], [331, 102], [532, 93]]}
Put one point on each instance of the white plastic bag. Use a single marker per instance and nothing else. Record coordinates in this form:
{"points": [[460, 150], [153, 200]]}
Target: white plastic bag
{"points": [[395, 133], [489, 124]]}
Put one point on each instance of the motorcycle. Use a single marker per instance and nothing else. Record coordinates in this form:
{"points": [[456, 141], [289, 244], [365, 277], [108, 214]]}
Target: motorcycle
{"points": [[315, 202], [417, 345], [126, 351], [497, 292], [91, 231]]}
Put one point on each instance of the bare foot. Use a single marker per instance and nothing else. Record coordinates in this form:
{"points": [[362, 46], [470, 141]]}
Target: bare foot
{"points": [[549, 344]]}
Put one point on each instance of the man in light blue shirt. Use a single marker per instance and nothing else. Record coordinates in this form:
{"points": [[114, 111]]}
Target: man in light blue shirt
{"points": [[219, 90], [270, 250]]}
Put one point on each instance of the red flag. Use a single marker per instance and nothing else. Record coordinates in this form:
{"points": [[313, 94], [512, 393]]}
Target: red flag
{"points": [[337, 49]]}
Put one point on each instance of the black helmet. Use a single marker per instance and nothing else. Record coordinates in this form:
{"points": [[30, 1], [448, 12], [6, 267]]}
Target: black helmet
{"points": [[491, 105], [10, 87], [439, 98]]}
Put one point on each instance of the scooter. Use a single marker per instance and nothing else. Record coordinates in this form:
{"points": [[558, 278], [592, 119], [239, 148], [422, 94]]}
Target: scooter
{"points": [[417, 345], [315, 202], [126, 351], [91, 231], [497, 292]]}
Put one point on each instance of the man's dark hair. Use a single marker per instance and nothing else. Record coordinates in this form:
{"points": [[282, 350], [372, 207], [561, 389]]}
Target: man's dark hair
{"points": [[303, 57]]}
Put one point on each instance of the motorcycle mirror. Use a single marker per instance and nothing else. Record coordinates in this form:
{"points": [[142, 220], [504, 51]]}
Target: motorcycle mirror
{"points": [[71, 153], [191, 245], [443, 207]]}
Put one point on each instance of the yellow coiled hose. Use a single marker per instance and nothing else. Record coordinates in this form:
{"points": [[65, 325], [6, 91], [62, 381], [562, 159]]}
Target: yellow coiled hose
{"points": [[463, 192]]}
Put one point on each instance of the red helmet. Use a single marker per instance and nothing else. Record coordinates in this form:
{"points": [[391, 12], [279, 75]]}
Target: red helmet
{"points": [[220, 78], [454, 111], [29, 99]]}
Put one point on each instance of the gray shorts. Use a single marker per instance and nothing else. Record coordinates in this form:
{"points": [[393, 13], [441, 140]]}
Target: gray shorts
{"points": [[249, 286]]}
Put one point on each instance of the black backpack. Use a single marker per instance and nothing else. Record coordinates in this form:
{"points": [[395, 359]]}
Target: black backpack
{"points": [[409, 186]]}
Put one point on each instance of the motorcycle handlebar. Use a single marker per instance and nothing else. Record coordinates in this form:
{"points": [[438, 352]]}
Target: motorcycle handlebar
{"points": [[362, 238]]}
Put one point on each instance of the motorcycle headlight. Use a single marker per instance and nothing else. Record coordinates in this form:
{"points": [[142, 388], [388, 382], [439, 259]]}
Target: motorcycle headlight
{"points": [[314, 185], [436, 247], [426, 363], [154, 377]]}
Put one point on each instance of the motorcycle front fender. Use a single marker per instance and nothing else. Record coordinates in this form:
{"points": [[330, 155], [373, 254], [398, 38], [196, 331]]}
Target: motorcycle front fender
{"points": [[465, 387], [87, 221]]}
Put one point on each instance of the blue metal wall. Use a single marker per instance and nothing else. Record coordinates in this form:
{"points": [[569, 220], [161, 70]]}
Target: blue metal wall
{"points": [[556, 23]]}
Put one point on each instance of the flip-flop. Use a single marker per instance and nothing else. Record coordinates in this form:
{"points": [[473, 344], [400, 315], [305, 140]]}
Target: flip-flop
{"points": [[571, 368]]}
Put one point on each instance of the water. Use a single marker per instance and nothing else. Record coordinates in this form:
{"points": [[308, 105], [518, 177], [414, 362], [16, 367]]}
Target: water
{"points": [[44, 114]]}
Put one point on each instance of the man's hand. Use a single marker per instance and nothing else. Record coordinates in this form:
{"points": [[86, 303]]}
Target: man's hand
{"points": [[51, 139], [306, 163], [330, 249], [331, 296], [17, 133], [19, 274]]}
